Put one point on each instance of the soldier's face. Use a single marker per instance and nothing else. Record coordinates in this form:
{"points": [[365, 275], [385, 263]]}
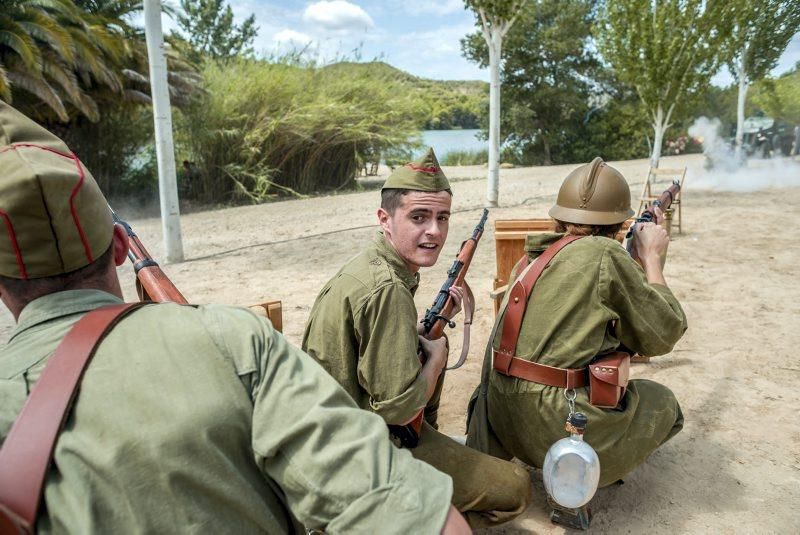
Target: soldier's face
{"points": [[418, 228]]}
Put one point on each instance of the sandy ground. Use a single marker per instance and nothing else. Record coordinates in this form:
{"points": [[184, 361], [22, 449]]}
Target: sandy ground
{"points": [[735, 468]]}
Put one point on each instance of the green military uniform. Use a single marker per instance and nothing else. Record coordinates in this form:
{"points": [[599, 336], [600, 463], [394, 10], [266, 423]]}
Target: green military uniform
{"points": [[188, 419], [590, 299], [363, 330]]}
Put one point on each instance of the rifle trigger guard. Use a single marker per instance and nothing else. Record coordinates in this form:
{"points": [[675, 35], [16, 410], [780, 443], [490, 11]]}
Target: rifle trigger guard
{"points": [[450, 323]]}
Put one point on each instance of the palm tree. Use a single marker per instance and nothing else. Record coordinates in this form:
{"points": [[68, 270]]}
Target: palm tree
{"points": [[53, 51]]}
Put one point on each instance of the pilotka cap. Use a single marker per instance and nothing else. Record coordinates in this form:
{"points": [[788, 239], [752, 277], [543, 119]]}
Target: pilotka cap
{"points": [[424, 174], [54, 217]]}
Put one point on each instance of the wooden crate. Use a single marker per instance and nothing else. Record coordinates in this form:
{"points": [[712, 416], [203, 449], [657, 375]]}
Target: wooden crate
{"points": [[273, 311]]}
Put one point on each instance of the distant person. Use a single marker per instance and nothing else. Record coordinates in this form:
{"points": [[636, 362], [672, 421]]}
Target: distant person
{"points": [[363, 330], [592, 300], [796, 144], [188, 419]]}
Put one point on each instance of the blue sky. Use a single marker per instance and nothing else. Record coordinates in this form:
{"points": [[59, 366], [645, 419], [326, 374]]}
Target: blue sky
{"points": [[418, 36]]}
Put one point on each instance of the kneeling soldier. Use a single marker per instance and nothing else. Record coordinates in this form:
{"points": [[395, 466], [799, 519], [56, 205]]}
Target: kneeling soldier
{"points": [[363, 330], [188, 419], [592, 299]]}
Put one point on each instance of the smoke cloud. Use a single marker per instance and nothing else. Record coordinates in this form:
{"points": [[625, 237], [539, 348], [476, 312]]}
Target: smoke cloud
{"points": [[724, 172]]}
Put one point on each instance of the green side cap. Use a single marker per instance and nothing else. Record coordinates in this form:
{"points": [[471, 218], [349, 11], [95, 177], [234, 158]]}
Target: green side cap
{"points": [[53, 215], [424, 174]]}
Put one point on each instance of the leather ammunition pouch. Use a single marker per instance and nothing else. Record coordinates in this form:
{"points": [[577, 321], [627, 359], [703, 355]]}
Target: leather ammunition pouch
{"points": [[606, 377]]}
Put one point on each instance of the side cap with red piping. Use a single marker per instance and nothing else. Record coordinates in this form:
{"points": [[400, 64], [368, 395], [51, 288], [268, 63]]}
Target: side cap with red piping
{"points": [[53, 217], [424, 174]]}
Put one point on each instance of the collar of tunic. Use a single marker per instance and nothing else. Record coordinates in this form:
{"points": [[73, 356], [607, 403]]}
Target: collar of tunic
{"points": [[61, 304], [387, 251]]}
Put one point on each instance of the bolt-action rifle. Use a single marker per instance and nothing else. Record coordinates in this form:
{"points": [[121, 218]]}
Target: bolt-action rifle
{"points": [[152, 284], [649, 214], [436, 319]]}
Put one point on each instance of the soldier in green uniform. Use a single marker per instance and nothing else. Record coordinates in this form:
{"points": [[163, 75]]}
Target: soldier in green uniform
{"points": [[363, 330], [590, 300], [188, 419]]}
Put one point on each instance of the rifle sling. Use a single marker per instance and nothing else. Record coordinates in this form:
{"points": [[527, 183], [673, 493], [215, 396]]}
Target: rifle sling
{"points": [[469, 311], [28, 449]]}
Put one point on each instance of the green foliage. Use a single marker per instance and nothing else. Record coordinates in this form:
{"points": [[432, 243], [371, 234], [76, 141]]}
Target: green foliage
{"points": [[266, 128], [762, 31], [209, 27], [780, 98], [448, 105], [664, 49], [547, 78], [117, 149], [52, 52], [466, 157]]}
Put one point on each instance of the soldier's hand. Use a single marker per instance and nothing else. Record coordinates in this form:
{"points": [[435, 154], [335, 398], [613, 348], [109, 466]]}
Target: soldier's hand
{"points": [[457, 293], [651, 242], [435, 350], [659, 220]]}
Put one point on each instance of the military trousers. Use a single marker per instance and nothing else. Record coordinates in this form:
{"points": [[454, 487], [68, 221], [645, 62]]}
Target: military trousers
{"points": [[488, 491]]}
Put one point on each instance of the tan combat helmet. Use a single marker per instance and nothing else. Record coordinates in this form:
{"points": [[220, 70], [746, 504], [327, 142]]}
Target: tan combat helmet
{"points": [[593, 194]]}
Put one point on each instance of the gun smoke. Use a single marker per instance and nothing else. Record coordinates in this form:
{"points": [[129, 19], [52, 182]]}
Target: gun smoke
{"points": [[723, 171]]}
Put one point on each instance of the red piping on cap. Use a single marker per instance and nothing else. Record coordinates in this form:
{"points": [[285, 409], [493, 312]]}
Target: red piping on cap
{"points": [[13, 236], [73, 210], [423, 169]]}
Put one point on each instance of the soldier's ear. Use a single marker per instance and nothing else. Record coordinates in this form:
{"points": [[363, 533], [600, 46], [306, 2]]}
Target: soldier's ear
{"points": [[383, 219], [120, 244]]}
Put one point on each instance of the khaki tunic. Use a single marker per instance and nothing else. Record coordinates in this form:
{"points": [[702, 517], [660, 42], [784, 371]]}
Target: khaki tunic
{"points": [[362, 329], [205, 420], [590, 284]]}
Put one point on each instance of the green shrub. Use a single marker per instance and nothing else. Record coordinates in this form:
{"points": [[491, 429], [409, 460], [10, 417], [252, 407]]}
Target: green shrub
{"points": [[466, 157], [266, 128]]}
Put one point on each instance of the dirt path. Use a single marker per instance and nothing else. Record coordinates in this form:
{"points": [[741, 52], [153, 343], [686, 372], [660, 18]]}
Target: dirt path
{"points": [[735, 468]]}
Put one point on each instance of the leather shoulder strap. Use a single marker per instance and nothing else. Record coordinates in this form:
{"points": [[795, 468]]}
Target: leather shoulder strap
{"points": [[28, 448], [518, 298]]}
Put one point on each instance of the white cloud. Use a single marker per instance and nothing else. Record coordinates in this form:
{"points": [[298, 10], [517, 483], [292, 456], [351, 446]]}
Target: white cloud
{"points": [[337, 15], [437, 7], [291, 37]]}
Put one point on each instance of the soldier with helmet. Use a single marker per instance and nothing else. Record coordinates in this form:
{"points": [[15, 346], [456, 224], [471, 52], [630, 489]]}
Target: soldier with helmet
{"points": [[592, 299]]}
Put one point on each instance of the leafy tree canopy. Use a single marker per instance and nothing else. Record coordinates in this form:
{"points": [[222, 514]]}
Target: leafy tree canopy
{"points": [[761, 32], [209, 28]]}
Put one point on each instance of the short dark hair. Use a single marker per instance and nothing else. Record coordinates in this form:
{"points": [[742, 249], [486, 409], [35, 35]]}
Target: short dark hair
{"points": [[26, 290], [392, 198], [574, 229]]}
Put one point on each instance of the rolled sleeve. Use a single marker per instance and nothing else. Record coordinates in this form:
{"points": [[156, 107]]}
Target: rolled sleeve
{"points": [[388, 366], [333, 462]]}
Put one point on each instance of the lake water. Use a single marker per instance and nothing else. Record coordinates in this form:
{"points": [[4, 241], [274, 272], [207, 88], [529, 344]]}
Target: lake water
{"points": [[444, 141]]}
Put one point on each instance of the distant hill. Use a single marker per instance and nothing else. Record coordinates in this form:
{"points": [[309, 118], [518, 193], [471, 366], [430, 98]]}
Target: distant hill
{"points": [[449, 104]]}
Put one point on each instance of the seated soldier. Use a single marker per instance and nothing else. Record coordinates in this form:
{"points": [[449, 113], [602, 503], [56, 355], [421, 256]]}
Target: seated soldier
{"points": [[363, 330], [591, 300], [188, 419]]}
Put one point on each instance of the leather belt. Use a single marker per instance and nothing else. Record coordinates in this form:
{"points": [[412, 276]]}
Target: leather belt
{"points": [[540, 373]]}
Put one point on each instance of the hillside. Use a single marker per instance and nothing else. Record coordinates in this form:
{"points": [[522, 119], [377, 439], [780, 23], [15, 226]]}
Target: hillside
{"points": [[448, 104]]}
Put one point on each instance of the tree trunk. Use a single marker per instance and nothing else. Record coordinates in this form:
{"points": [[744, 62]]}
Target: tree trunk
{"points": [[493, 178], [659, 127], [546, 146], [743, 86]]}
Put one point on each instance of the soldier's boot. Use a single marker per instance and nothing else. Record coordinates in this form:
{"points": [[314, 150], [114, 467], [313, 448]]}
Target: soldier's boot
{"points": [[572, 518]]}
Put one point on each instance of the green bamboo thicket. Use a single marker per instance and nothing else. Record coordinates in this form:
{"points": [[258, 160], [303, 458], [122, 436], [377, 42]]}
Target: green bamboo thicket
{"points": [[265, 128]]}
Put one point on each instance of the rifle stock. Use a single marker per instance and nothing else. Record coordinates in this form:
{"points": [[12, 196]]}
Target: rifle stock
{"points": [[152, 284]]}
